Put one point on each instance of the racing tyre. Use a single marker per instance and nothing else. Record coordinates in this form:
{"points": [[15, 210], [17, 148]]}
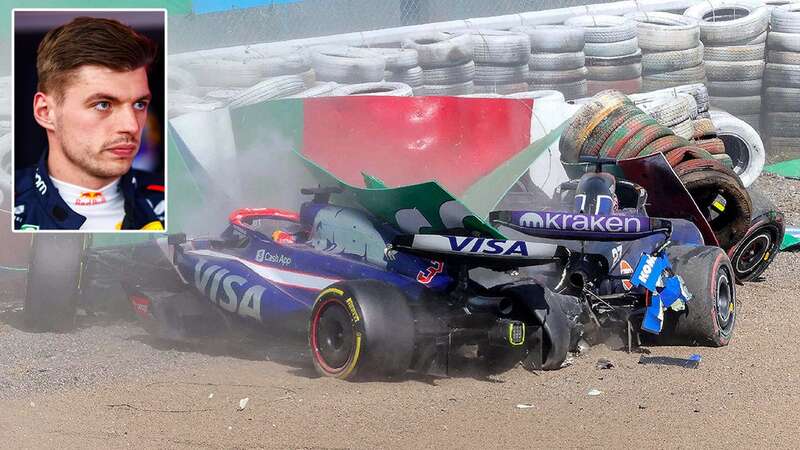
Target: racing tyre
{"points": [[54, 274], [710, 314], [361, 329], [753, 254]]}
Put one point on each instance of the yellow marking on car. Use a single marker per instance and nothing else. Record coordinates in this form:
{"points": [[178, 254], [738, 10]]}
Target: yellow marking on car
{"points": [[719, 205], [352, 309], [330, 291], [766, 256], [511, 335], [354, 362]]}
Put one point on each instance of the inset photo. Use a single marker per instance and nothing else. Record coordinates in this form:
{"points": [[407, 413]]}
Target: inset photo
{"points": [[88, 119]]}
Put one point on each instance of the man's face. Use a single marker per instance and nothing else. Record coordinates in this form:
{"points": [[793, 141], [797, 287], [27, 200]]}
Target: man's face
{"points": [[100, 119]]}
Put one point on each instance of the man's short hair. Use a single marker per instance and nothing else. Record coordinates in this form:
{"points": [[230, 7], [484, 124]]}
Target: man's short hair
{"points": [[89, 41]]}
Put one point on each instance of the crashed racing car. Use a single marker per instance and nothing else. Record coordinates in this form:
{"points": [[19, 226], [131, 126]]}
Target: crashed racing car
{"points": [[379, 297]]}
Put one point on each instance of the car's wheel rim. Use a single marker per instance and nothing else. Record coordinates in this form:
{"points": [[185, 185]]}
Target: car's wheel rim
{"points": [[333, 336], [753, 252], [725, 301]]}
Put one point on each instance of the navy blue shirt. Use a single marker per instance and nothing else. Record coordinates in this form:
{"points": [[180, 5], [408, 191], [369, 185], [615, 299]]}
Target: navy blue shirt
{"points": [[37, 204]]}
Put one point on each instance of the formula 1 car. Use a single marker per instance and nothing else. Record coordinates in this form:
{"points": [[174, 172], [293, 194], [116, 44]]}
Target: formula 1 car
{"points": [[372, 308], [646, 274], [378, 301]]}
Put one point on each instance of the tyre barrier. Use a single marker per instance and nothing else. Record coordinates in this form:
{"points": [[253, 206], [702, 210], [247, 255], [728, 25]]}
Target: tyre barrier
{"points": [[412, 77], [782, 85], [447, 63], [613, 57], [402, 66], [398, 59], [225, 72], [730, 22], [610, 125], [321, 89], [181, 103], [271, 88], [733, 33], [344, 64], [501, 89], [386, 88], [181, 80], [244, 71], [557, 61], [554, 38], [671, 47], [572, 90], [449, 89], [501, 60], [742, 143]]}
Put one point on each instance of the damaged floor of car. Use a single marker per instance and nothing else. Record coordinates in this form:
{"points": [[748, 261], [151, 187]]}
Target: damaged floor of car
{"points": [[110, 385]]}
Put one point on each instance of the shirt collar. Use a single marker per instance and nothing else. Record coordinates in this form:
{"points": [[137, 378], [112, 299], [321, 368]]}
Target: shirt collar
{"points": [[54, 205]]}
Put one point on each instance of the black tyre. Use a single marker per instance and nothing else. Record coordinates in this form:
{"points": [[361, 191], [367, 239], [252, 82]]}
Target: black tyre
{"points": [[54, 274], [710, 314], [751, 256], [361, 329]]}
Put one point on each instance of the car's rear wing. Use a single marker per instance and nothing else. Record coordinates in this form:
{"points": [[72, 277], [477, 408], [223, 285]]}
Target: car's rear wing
{"points": [[565, 225], [501, 254]]}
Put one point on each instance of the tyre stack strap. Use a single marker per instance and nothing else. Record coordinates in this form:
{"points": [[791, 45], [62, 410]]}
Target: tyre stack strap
{"points": [[611, 127]]}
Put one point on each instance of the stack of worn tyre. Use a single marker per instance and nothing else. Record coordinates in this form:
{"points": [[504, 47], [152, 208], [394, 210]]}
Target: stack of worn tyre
{"points": [[208, 84], [717, 132], [734, 33], [676, 111], [782, 85], [446, 62], [402, 66], [672, 54], [729, 140], [347, 65], [501, 61], [613, 57], [557, 61], [612, 126]]}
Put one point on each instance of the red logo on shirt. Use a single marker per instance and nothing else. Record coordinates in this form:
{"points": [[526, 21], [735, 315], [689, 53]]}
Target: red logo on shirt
{"points": [[90, 199]]}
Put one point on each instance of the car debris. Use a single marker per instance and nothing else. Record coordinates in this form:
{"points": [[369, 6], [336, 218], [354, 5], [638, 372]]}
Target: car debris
{"points": [[692, 362], [604, 364]]}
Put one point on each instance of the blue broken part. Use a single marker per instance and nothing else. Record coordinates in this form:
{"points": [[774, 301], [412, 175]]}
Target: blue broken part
{"points": [[649, 270], [669, 291], [654, 316]]}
